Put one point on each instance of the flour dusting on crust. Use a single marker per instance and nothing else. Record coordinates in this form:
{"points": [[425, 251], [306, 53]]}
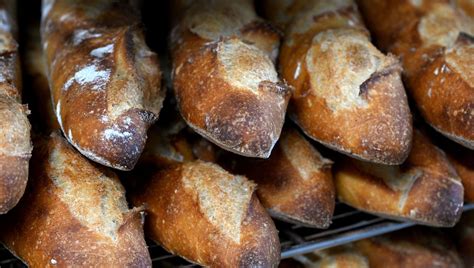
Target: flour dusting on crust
{"points": [[222, 197]]}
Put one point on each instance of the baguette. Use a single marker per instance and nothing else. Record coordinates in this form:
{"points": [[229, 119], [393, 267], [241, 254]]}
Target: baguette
{"points": [[425, 189], [348, 95], [105, 82], [73, 214], [295, 184], [208, 216], [436, 44], [224, 77], [413, 247], [15, 143]]}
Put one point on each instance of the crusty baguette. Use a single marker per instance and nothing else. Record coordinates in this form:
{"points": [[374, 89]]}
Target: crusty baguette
{"points": [[15, 144], [208, 216], [436, 44], [295, 184], [223, 75], [73, 214], [414, 247], [464, 235], [348, 95], [425, 189], [105, 82]]}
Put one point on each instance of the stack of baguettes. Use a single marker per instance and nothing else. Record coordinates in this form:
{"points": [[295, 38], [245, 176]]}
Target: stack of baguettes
{"points": [[221, 162]]}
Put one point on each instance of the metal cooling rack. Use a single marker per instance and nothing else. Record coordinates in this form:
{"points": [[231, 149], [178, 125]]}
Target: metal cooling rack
{"points": [[348, 225]]}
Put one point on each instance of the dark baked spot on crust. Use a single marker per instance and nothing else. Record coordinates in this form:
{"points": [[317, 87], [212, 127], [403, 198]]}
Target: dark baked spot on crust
{"points": [[240, 122], [465, 38], [442, 205], [279, 88]]}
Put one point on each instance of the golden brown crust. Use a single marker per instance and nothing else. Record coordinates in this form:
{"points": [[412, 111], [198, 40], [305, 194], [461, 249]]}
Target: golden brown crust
{"points": [[295, 184], [15, 144], [208, 216], [224, 78], [436, 45], [105, 82], [348, 95], [53, 227], [425, 189], [410, 248]]}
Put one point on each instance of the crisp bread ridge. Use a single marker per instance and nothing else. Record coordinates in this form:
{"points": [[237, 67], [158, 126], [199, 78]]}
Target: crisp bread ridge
{"points": [[338, 85], [225, 201], [86, 189]]}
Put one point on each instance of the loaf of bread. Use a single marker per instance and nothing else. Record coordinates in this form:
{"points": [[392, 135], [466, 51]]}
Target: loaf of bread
{"points": [[105, 82], [348, 95], [414, 247], [425, 189], [73, 214], [224, 76], [15, 143], [208, 216], [436, 44], [295, 184], [464, 237]]}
